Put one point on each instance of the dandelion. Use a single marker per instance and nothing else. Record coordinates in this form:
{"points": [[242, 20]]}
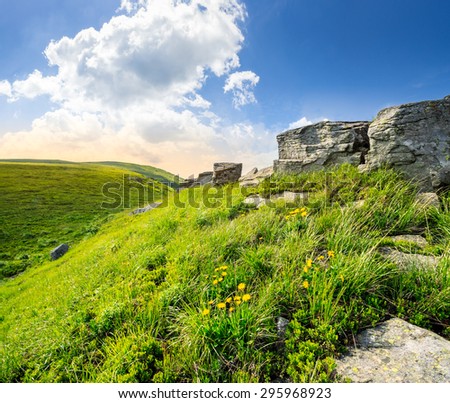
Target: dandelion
{"points": [[238, 302], [216, 270], [304, 214], [330, 253], [224, 267], [221, 279], [260, 238], [224, 273], [229, 299], [205, 312], [246, 297], [241, 287], [237, 298], [211, 302], [215, 282], [305, 269], [305, 284], [321, 257], [221, 305], [231, 309], [309, 262]]}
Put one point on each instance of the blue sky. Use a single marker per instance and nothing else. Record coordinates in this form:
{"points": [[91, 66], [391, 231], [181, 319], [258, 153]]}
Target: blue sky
{"points": [[136, 90]]}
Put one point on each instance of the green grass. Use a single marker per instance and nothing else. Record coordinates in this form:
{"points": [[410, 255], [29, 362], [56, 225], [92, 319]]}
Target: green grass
{"points": [[148, 298], [43, 205]]}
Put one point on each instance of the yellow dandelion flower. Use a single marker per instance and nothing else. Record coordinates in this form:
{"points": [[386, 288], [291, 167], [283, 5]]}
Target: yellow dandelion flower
{"points": [[231, 309], [246, 297], [305, 269], [205, 312], [321, 257], [304, 214], [309, 262], [211, 302], [216, 270], [330, 253], [215, 282], [221, 279], [241, 287], [229, 299], [221, 305], [287, 217], [302, 209], [305, 284], [237, 298], [238, 302], [224, 267], [224, 273]]}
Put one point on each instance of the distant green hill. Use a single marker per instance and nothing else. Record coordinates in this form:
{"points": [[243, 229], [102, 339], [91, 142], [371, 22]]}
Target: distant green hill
{"points": [[43, 204], [197, 290]]}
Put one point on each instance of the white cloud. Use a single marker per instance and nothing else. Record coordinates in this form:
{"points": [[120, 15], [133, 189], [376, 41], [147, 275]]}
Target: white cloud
{"points": [[304, 121], [5, 88], [130, 90], [241, 84]]}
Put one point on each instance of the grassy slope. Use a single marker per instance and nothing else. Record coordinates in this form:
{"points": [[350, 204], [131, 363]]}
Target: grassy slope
{"points": [[139, 300], [43, 205]]}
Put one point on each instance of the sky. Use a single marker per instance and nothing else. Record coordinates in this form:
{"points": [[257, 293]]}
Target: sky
{"points": [[181, 84]]}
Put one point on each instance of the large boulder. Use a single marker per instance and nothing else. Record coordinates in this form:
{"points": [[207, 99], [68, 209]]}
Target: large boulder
{"points": [[414, 138], [59, 251], [255, 176], [396, 351], [321, 145], [226, 172]]}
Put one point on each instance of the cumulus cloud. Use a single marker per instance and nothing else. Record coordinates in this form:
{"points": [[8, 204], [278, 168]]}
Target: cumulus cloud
{"points": [[130, 90], [241, 84], [304, 121]]}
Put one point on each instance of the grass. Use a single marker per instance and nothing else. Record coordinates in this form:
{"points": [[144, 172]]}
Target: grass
{"points": [[160, 297], [43, 205]]}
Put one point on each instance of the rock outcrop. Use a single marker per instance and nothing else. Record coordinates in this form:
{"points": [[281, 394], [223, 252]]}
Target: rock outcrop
{"points": [[396, 351], [145, 209], [226, 172], [322, 145], [59, 251], [255, 176], [414, 138]]}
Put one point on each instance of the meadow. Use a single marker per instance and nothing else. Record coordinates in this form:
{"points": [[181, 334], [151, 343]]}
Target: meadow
{"points": [[197, 292], [44, 204]]}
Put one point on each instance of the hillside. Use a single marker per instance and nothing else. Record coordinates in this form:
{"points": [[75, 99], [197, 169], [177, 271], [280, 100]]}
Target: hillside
{"points": [[194, 291], [45, 204]]}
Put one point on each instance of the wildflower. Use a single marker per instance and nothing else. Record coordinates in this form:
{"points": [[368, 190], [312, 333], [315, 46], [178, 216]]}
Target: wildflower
{"points": [[215, 282], [229, 299], [260, 238], [246, 297], [309, 262], [330, 253], [237, 298], [224, 267], [205, 312], [231, 309], [210, 302], [238, 302], [321, 257], [305, 269], [216, 270], [341, 277], [305, 284], [221, 305], [224, 273], [304, 214], [241, 287], [221, 279]]}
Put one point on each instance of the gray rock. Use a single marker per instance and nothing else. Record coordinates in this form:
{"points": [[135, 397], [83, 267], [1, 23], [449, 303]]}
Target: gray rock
{"points": [[322, 145], [409, 260], [427, 200], [396, 351], [145, 209], [256, 200], [415, 139], [282, 325], [204, 178], [416, 239], [226, 172], [255, 176], [292, 197], [59, 251]]}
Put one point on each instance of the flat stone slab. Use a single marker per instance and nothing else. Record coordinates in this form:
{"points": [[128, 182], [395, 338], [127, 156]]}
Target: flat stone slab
{"points": [[408, 260], [396, 351], [416, 239], [59, 251]]}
